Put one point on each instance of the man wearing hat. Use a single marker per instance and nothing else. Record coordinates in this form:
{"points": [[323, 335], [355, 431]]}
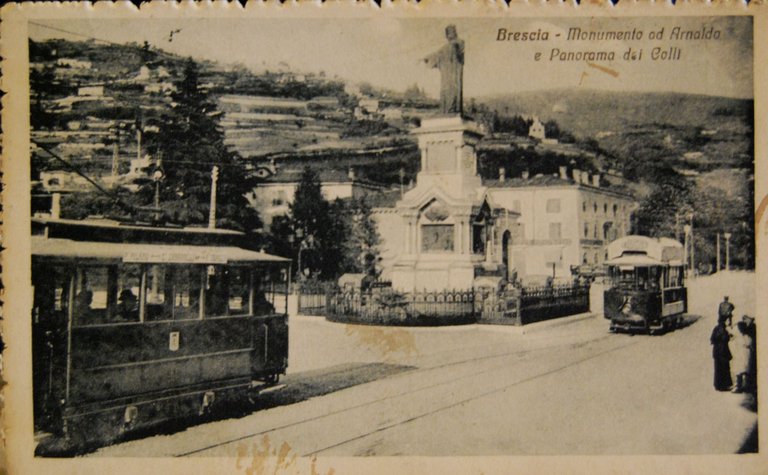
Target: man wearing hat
{"points": [[725, 311]]}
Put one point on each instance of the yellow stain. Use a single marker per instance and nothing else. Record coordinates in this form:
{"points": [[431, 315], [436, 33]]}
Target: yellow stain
{"points": [[392, 343]]}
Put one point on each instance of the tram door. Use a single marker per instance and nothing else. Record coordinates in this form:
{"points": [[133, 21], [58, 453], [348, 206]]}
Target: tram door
{"points": [[51, 293]]}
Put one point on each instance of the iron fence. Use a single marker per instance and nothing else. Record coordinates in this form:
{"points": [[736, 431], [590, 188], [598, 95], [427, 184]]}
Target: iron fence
{"points": [[384, 305], [548, 302], [380, 304]]}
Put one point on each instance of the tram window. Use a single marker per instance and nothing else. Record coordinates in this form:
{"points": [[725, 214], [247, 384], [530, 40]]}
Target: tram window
{"points": [[107, 294], [129, 286], [173, 292], [186, 292], [91, 295], [51, 292], [239, 291], [216, 291]]}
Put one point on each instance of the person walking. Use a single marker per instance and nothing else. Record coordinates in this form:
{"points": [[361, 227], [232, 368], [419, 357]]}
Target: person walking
{"points": [[725, 311], [722, 356]]}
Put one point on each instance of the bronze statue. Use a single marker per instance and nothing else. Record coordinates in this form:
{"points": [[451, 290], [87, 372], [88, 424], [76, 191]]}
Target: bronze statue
{"points": [[450, 61]]}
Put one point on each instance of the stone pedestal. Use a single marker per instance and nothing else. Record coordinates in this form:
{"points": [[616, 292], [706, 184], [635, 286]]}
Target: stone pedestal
{"points": [[438, 212]]}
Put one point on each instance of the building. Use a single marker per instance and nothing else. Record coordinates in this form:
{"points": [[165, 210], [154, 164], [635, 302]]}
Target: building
{"points": [[565, 222], [455, 231], [274, 196], [536, 130]]}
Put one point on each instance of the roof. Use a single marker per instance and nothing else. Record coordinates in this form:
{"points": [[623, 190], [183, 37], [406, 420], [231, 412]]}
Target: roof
{"points": [[147, 253], [384, 199], [113, 224], [550, 180], [659, 250], [325, 175]]}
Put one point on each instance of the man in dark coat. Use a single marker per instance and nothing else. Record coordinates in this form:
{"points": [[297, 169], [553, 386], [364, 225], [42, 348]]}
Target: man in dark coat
{"points": [[725, 311], [722, 356]]}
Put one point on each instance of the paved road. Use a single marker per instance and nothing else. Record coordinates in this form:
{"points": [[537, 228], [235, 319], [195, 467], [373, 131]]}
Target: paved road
{"points": [[478, 390]]}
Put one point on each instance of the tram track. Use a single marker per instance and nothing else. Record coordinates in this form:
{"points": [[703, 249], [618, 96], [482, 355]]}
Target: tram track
{"points": [[446, 378]]}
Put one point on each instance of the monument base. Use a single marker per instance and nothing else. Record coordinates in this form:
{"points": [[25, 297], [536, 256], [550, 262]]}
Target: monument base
{"points": [[434, 274]]}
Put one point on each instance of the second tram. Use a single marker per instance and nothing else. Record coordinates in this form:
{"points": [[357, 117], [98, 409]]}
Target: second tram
{"points": [[647, 287]]}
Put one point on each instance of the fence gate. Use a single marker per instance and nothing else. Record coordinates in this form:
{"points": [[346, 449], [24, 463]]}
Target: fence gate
{"points": [[313, 296]]}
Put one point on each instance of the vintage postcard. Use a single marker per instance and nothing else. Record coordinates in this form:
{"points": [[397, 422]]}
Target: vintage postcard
{"points": [[338, 238]]}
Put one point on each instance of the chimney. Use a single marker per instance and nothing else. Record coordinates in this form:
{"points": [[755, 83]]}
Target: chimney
{"points": [[577, 175], [502, 174], [596, 180], [526, 174], [564, 173], [351, 173]]}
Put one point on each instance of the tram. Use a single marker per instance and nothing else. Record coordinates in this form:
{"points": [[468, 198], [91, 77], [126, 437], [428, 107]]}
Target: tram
{"points": [[647, 289], [136, 325]]}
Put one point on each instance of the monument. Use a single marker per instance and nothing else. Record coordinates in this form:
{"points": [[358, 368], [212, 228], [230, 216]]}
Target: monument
{"points": [[450, 61], [446, 221]]}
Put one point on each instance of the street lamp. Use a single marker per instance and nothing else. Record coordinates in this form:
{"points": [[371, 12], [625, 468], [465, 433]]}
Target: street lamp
{"points": [[727, 251]]}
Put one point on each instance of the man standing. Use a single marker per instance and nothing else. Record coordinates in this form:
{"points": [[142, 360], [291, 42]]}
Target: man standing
{"points": [[725, 311], [450, 61]]}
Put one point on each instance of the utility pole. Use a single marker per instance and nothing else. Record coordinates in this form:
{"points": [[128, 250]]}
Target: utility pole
{"points": [[158, 176], [727, 251], [212, 211]]}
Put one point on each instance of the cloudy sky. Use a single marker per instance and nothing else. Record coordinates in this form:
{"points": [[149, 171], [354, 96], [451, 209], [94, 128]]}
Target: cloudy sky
{"points": [[386, 51]]}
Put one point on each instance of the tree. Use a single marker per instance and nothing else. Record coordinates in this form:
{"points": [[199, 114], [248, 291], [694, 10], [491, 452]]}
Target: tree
{"points": [[189, 144], [361, 247]]}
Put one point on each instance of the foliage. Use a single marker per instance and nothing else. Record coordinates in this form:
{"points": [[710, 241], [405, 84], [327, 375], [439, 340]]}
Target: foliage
{"points": [[92, 203], [189, 144], [361, 244], [663, 210]]}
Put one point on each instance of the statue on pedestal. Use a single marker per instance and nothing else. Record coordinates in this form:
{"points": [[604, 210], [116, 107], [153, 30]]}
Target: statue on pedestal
{"points": [[450, 61]]}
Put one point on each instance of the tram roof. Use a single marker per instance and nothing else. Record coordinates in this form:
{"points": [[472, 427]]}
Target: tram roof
{"points": [[147, 253], [645, 251]]}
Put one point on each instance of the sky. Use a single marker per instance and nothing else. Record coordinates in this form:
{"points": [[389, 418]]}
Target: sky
{"points": [[386, 52]]}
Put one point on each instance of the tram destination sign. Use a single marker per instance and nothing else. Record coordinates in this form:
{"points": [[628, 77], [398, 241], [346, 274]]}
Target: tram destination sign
{"points": [[164, 257]]}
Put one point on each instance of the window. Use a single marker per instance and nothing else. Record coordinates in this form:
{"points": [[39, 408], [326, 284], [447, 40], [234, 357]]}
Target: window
{"points": [[107, 294], [615, 209], [437, 238], [553, 205], [478, 238], [555, 231], [605, 208], [173, 292], [584, 206], [239, 291], [594, 206], [586, 230]]}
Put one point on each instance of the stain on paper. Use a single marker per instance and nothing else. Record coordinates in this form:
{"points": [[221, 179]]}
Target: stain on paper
{"points": [[392, 343]]}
